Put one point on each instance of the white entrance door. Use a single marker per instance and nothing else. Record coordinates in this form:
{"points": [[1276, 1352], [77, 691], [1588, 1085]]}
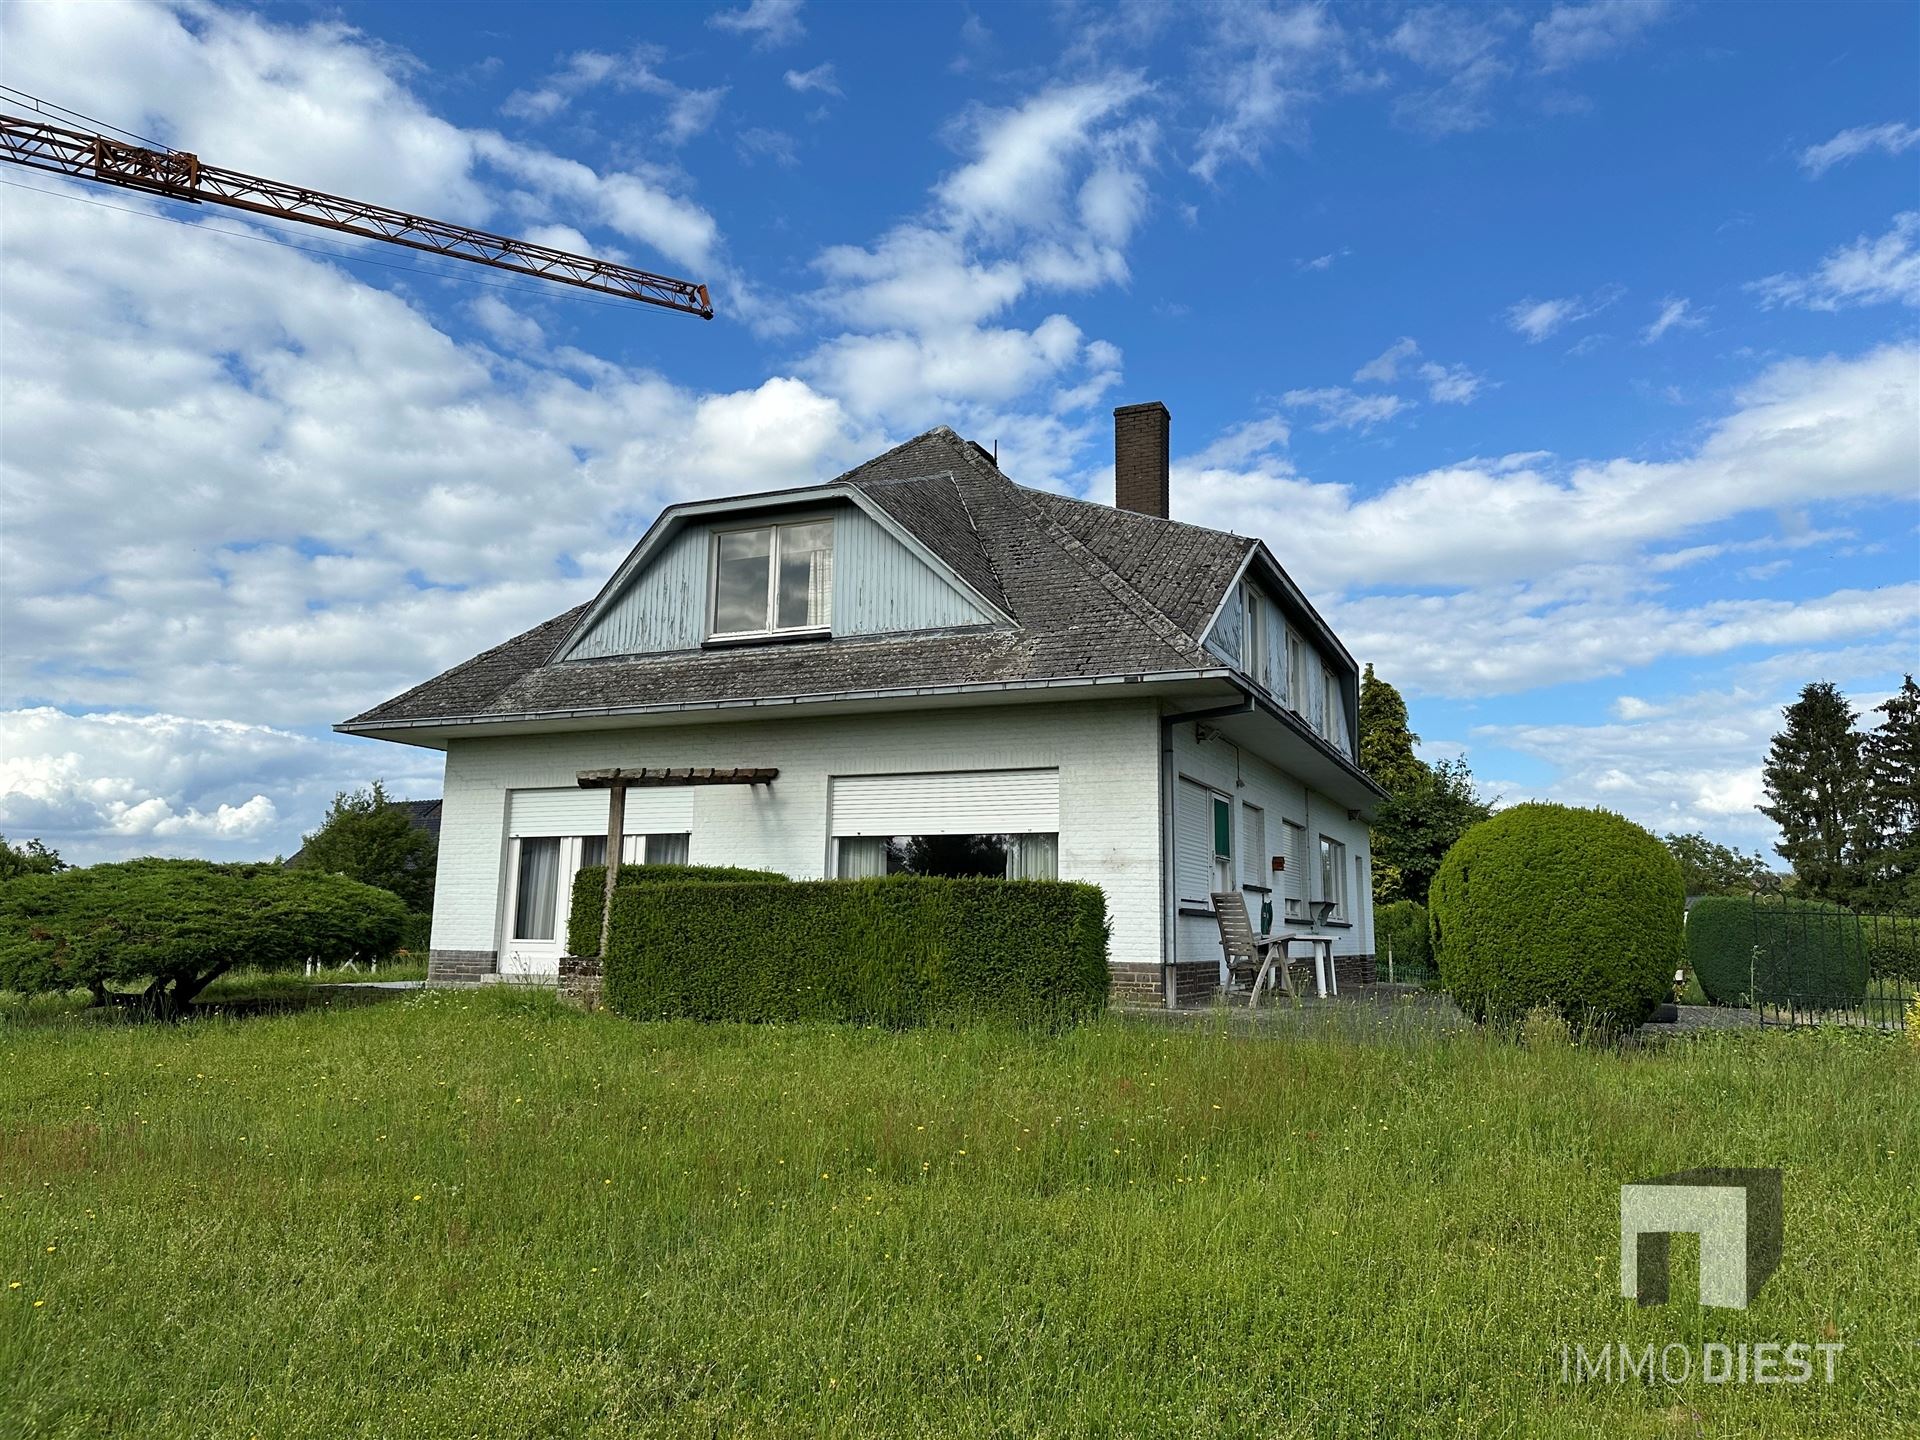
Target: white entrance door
{"points": [[536, 906]]}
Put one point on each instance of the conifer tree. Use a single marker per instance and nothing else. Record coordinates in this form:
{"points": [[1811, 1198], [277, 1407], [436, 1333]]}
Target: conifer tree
{"points": [[1815, 780]]}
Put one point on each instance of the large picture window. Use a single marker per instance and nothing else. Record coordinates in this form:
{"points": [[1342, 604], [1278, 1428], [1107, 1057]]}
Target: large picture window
{"points": [[637, 849], [997, 857], [536, 889], [773, 578]]}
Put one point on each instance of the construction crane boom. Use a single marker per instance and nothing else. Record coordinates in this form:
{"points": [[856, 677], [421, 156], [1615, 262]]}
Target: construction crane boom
{"points": [[181, 176]]}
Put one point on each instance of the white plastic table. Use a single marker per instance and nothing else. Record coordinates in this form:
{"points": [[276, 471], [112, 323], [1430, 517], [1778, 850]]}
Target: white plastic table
{"points": [[1322, 952]]}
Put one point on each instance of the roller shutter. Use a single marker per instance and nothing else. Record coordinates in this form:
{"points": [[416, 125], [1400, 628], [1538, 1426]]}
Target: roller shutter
{"points": [[952, 802]]}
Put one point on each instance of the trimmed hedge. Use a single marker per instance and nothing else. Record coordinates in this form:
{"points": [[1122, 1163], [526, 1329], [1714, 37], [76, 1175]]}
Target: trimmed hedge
{"points": [[590, 892], [1402, 925], [1778, 950], [1575, 910], [898, 951], [1893, 945]]}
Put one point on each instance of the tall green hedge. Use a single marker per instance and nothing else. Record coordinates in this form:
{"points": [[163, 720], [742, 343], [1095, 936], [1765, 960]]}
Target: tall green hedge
{"points": [[590, 892], [1544, 905], [1400, 928], [1779, 951], [899, 951]]}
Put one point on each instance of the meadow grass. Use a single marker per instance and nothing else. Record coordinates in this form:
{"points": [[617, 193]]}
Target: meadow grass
{"points": [[461, 1214]]}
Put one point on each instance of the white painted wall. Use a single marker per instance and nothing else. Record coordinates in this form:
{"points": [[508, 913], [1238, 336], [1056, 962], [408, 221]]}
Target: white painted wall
{"points": [[1107, 752], [1219, 764]]}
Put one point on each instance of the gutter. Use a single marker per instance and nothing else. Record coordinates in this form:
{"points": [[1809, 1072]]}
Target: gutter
{"points": [[1168, 921], [376, 728]]}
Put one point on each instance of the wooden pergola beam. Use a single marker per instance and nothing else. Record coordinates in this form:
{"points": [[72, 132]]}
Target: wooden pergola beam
{"points": [[616, 782], [690, 775]]}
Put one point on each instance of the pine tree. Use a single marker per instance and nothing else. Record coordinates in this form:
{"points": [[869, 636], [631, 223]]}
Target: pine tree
{"points": [[1813, 776], [1427, 807], [1890, 761], [1386, 737]]}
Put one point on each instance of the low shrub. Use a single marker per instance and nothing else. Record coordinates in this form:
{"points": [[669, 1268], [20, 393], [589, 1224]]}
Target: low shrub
{"points": [[1776, 950], [1400, 929], [590, 892], [900, 951], [1545, 905], [173, 926], [1893, 945], [416, 936]]}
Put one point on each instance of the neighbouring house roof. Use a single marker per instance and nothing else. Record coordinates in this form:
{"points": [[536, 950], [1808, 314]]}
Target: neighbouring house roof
{"points": [[1090, 592]]}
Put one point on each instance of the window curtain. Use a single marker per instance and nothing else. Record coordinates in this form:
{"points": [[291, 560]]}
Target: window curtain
{"points": [[593, 850], [860, 857], [1033, 857], [539, 881], [665, 849], [820, 588]]}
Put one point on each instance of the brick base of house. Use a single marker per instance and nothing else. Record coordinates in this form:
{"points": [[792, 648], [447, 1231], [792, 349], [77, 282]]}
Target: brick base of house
{"points": [[1136, 986], [580, 977], [460, 967], [1195, 984]]}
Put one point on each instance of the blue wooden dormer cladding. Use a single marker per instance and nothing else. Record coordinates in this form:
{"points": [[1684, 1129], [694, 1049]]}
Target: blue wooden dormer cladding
{"points": [[879, 586], [1252, 634]]}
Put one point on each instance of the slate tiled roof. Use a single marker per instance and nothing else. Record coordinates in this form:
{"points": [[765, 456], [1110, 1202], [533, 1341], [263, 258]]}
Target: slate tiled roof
{"points": [[1091, 592]]}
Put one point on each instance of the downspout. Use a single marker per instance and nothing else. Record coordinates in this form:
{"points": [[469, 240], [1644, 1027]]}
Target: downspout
{"points": [[1169, 862]]}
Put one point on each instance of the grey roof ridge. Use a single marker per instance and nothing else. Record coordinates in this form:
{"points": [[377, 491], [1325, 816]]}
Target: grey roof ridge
{"points": [[1154, 619]]}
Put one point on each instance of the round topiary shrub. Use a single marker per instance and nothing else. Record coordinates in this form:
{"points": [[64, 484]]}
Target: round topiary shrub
{"points": [[1578, 911]]}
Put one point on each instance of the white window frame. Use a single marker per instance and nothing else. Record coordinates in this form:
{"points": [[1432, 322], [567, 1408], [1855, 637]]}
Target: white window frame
{"points": [[1253, 864], [1297, 675], [1339, 872], [1253, 634], [1297, 885], [776, 527]]}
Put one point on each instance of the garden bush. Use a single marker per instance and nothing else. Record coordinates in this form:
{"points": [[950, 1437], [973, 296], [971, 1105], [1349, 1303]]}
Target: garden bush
{"points": [[173, 926], [1545, 905], [1400, 928], [899, 951], [590, 892], [1893, 945], [1777, 951], [416, 936]]}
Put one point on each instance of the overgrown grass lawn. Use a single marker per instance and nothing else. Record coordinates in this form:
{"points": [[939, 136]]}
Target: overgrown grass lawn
{"points": [[484, 1215]]}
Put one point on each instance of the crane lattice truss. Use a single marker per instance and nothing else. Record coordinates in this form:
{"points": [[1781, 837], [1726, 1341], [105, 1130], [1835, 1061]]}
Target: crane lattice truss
{"points": [[181, 176]]}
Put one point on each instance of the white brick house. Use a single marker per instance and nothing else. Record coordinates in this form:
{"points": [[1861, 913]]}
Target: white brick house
{"points": [[950, 673]]}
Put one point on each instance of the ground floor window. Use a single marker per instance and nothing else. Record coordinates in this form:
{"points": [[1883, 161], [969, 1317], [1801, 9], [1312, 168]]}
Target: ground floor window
{"points": [[1003, 857], [536, 888], [1333, 875], [637, 850]]}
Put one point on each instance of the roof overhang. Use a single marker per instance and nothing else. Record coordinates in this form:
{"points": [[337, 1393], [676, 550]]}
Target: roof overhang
{"points": [[1196, 686], [1280, 735]]}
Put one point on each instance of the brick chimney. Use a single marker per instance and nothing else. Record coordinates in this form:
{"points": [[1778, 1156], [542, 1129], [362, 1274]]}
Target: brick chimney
{"points": [[1140, 458]]}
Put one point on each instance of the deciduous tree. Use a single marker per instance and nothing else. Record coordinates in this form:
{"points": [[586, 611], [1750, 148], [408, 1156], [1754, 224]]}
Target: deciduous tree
{"points": [[1714, 869], [369, 837]]}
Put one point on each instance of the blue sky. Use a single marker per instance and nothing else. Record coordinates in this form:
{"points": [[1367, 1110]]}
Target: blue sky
{"points": [[1566, 354]]}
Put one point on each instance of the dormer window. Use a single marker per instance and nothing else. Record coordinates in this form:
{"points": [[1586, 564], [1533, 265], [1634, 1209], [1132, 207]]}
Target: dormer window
{"points": [[772, 580]]}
